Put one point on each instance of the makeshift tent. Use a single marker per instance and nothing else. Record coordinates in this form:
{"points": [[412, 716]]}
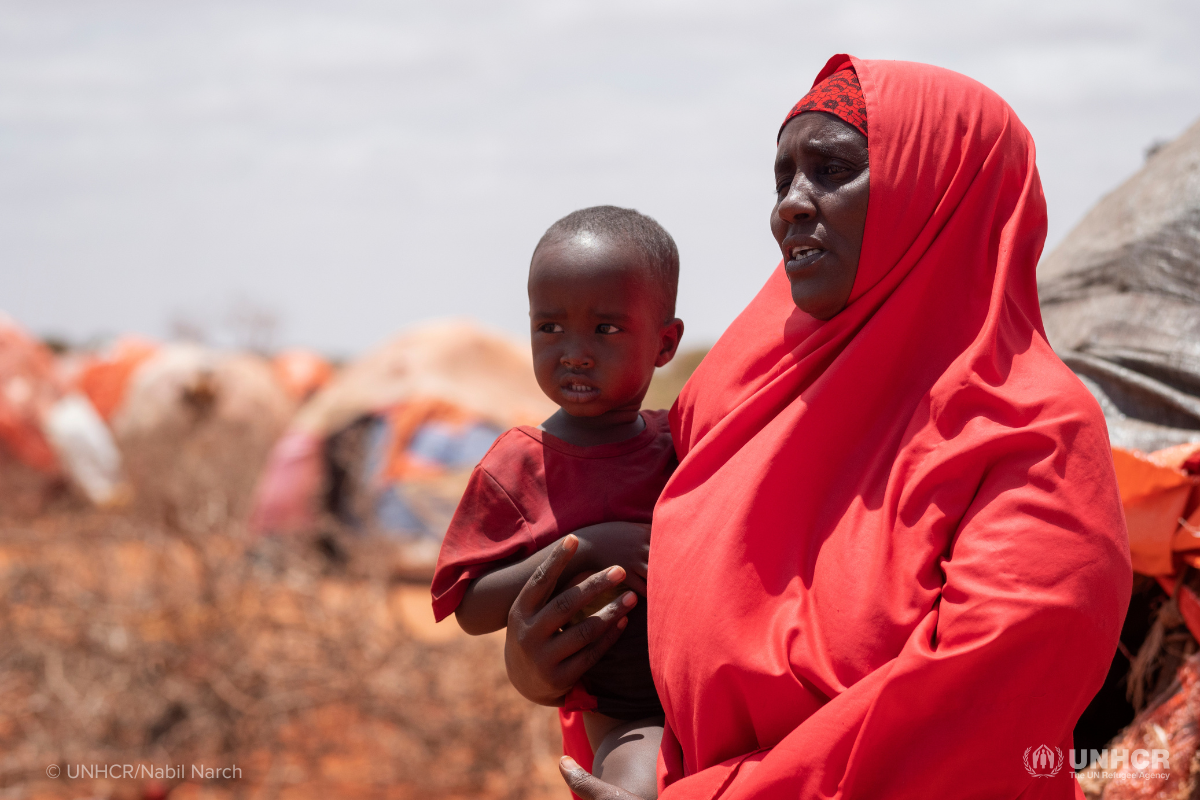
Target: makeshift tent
{"points": [[103, 377], [387, 444], [301, 372], [28, 467], [1161, 495], [480, 372], [195, 427], [1121, 300], [48, 432], [418, 456], [29, 387]]}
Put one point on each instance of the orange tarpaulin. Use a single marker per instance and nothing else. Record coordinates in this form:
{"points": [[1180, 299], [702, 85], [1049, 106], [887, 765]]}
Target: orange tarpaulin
{"points": [[104, 378], [301, 372], [28, 388], [1160, 492], [405, 420]]}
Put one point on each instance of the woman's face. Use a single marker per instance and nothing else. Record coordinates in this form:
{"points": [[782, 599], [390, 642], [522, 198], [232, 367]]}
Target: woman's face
{"points": [[822, 183]]}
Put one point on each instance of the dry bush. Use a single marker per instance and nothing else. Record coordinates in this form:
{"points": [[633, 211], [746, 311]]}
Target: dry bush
{"points": [[305, 663]]}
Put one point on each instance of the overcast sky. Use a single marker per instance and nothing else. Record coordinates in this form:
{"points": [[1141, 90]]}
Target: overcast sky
{"points": [[354, 166]]}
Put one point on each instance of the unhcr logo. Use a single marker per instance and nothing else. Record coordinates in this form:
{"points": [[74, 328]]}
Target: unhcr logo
{"points": [[1043, 762], [1116, 764], [1121, 761]]}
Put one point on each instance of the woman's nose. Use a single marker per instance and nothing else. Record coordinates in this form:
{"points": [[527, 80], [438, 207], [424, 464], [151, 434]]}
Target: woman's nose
{"points": [[798, 203]]}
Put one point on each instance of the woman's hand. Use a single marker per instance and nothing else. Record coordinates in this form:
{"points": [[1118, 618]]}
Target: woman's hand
{"points": [[543, 661], [588, 786], [626, 544]]}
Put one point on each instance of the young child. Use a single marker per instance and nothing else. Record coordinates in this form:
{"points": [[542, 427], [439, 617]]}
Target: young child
{"points": [[602, 286]]}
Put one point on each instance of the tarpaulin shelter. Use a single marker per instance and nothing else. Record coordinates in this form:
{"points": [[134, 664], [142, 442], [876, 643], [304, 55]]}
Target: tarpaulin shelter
{"points": [[1121, 300], [47, 431], [195, 427], [388, 442], [104, 377], [418, 454], [1121, 304], [29, 387], [1161, 495], [301, 372], [479, 371]]}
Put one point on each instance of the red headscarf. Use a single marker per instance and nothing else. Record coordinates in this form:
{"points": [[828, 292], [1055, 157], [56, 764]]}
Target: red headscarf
{"points": [[893, 555], [840, 94]]}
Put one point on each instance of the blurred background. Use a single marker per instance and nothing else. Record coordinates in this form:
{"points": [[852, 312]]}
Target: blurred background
{"points": [[348, 168], [262, 269]]}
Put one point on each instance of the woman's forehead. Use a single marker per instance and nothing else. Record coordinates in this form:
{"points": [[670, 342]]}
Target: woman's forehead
{"points": [[822, 134]]}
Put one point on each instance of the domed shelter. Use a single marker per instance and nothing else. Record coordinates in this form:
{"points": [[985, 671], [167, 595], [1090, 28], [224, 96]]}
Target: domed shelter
{"points": [[1121, 300], [51, 437], [28, 389], [301, 372], [455, 361], [195, 427], [388, 443]]}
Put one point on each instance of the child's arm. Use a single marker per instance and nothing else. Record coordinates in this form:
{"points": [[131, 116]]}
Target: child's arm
{"points": [[485, 606]]}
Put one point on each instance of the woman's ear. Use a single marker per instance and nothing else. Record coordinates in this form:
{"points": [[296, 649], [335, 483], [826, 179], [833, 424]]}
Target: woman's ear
{"points": [[669, 338]]}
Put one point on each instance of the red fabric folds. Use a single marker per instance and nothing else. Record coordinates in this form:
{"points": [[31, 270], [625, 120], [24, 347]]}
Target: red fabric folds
{"points": [[893, 555], [575, 740]]}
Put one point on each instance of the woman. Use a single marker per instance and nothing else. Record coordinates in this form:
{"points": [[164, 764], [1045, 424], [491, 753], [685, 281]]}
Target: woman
{"points": [[892, 561]]}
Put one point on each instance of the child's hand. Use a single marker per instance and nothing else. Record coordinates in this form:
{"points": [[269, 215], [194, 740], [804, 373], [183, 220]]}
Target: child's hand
{"points": [[623, 544]]}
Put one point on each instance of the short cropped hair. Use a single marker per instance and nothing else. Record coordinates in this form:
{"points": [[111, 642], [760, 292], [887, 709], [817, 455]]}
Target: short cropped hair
{"points": [[662, 256]]}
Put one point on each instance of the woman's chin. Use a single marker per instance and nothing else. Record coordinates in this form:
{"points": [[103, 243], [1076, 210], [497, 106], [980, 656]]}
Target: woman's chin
{"points": [[816, 305]]}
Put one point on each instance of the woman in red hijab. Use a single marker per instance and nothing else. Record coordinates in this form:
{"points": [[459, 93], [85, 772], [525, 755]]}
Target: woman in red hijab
{"points": [[892, 561]]}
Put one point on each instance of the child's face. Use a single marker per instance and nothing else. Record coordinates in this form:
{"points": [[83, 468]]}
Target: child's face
{"points": [[596, 325]]}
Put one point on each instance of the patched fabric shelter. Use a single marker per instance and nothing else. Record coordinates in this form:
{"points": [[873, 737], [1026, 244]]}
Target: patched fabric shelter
{"points": [[1120, 300]]}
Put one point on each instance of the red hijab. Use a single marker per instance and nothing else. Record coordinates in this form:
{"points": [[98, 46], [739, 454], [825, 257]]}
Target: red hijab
{"points": [[893, 555]]}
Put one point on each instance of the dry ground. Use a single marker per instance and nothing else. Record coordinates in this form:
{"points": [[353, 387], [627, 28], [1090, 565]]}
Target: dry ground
{"points": [[312, 665]]}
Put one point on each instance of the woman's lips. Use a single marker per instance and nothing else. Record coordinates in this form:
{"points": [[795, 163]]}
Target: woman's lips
{"points": [[803, 257], [578, 392]]}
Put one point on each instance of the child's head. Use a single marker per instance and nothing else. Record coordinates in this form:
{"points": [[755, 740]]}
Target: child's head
{"points": [[602, 286]]}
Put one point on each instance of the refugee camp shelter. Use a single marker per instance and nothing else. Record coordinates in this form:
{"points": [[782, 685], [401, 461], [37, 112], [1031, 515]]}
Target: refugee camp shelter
{"points": [[386, 446], [195, 426], [1121, 300]]}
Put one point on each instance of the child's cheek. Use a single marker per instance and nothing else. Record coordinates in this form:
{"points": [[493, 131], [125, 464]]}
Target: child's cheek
{"points": [[543, 360], [543, 371]]}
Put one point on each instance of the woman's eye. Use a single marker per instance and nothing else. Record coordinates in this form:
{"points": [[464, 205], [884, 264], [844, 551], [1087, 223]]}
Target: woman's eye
{"points": [[551, 327], [607, 328]]}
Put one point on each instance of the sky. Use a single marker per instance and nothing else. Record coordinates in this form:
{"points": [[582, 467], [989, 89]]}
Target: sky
{"points": [[325, 173]]}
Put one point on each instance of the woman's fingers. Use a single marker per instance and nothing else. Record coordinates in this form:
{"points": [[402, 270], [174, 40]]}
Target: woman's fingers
{"points": [[588, 786], [534, 644], [586, 642], [636, 582], [541, 583], [567, 603]]}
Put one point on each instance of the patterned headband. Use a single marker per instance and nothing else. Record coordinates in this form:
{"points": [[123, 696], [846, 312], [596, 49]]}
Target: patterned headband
{"points": [[841, 95]]}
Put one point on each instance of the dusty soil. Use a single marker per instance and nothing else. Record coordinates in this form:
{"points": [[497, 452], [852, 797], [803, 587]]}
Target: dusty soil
{"points": [[312, 665]]}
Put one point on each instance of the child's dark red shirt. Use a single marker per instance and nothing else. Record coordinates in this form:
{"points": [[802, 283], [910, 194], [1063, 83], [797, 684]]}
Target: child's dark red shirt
{"points": [[530, 490], [533, 488]]}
